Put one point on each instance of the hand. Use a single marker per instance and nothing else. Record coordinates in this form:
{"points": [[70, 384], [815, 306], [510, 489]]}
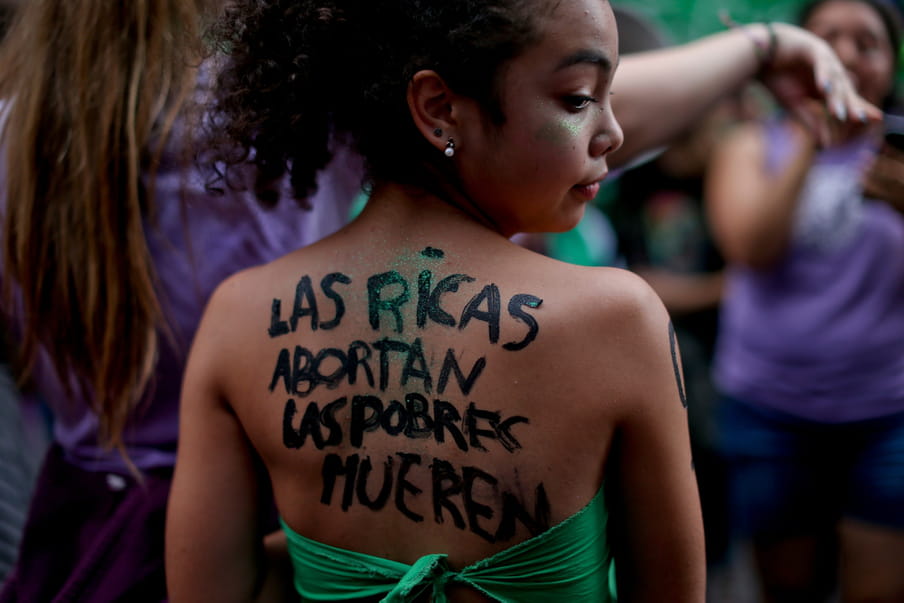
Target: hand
{"points": [[830, 130], [884, 179], [805, 69]]}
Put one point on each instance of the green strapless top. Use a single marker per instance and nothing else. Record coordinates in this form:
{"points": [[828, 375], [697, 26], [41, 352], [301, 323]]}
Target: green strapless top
{"points": [[571, 561]]}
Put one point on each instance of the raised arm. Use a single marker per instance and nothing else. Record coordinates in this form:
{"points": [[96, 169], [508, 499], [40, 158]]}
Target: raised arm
{"points": [[751, 210], [799, 68], [658, 528]]}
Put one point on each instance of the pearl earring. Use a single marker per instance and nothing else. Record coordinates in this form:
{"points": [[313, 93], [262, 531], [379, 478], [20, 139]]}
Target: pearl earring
{"points": [[450, 148]]}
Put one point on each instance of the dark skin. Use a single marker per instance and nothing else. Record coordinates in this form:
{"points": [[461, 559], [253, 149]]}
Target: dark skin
{"points": [[591, 368]]}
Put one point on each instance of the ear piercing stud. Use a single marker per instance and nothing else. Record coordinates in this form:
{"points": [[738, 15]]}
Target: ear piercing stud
{"points": [[450, 148], [438, 132]]}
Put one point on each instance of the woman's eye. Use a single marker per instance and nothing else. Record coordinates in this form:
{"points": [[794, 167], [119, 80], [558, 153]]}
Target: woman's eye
{"points": [[578, 102]]}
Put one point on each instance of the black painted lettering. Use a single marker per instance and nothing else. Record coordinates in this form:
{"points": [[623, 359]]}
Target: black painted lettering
{"points": [[328, 420], [305, 304], [331, 380], [301, 371], [310, 426], [277, 325], [429, 300], [420, 424], [361, 420], [514, 510], [403, 486], [395, 418], [291, 436], [490, 296], [450, 365], [326, 284], [385, 347], [516, 310], [446, 483], [472, 416], [333, 467], [445, 418], [474, 509], [504, 432], [676, 365], [364, 470], [416, 366], [283, 371], [355, 360]]}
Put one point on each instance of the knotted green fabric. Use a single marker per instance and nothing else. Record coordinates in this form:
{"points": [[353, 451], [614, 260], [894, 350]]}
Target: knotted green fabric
{"points": [[569, 562]]}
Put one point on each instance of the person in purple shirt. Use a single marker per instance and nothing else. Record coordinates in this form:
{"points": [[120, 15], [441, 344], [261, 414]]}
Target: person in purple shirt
{"points": [[114, 239], [810, 354], [113, 243]]}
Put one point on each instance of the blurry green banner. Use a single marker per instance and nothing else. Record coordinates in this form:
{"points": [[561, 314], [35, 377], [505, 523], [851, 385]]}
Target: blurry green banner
{"points": [[689, 19]]}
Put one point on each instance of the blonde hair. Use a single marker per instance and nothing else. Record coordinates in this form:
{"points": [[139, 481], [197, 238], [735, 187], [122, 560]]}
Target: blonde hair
{"points": [[91, 91]]}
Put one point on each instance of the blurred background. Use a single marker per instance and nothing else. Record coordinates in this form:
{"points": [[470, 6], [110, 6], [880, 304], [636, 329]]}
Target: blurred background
{"points": [[689, 19]]}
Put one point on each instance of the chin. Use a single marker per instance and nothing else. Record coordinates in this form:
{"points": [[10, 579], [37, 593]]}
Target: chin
{"points": [[566, 223]]}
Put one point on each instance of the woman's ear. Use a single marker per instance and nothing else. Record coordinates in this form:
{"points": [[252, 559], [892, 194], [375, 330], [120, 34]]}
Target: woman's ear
{"points": [[432, 108]]}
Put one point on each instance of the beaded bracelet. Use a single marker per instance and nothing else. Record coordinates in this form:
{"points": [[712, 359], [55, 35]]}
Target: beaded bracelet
{"points": [[765, 51]]}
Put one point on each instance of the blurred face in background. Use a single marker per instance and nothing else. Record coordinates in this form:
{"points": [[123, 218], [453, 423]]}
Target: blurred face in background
{"points": [[858, 35]]}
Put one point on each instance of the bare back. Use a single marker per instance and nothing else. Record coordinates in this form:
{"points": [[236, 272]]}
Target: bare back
{"points": [[437, 381]]}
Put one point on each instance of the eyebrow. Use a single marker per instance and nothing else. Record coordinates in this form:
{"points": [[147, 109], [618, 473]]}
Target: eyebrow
{"points": [[592, 57]]}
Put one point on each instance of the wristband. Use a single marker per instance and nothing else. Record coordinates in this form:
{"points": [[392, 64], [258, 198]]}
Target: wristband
{"points": [[765, 50]]}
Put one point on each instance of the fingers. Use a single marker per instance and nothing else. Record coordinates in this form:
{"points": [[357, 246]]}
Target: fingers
{"points": [[841, 98], [848, 106], [807, 55], [823, 125]]}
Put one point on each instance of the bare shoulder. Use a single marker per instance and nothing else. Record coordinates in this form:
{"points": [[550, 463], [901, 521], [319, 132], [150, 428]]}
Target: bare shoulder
{"points": [[617, 326], [611, 299], [599, 298], [632, 313], [234, 299], [245, 290], [234, 320]]}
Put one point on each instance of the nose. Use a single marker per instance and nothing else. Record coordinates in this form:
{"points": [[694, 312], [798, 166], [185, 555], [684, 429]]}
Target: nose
{"points": [[609, 139]]}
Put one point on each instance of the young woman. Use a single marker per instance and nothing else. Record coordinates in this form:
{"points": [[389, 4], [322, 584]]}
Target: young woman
{"points": [[811, 350], [114, 243], [440, 412]]}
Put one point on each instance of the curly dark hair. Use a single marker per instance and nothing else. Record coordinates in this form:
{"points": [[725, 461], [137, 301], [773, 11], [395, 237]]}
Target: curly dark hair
{"points": [[297, 73]]}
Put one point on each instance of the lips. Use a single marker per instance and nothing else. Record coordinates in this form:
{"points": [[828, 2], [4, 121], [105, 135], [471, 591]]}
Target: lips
{"points": [[588, 191]]}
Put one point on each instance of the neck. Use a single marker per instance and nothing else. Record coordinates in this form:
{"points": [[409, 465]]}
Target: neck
{"points": [[449, 190], [442, 200]]}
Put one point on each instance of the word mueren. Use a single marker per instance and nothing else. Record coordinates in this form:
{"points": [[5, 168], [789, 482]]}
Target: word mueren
{"points": [[354, 476]]}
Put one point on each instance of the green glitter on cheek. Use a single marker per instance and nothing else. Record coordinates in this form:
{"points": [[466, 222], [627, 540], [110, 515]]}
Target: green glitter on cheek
{"points": [[560, 133]]}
